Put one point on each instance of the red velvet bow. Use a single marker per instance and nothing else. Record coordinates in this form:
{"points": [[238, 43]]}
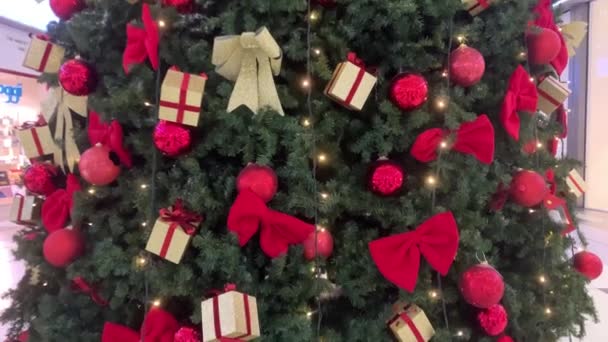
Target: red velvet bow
{"points": [[31, 124], [109, 135], [278, 230], [522, 96], [187, 220], [352, 57], [57, 207], [545, 19], [142, 42], [159, 326], [80, 284], [475, 138], [398, 257], [550, 176]]}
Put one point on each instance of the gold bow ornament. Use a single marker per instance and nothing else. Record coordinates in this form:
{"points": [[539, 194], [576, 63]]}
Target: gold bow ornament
{"points": [[61, 104], [251, 60], [573, 34]]}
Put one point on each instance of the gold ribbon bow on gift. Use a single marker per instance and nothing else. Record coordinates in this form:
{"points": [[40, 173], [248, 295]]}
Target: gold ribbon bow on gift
{"points": [[251, 60], [573, 34], [60, 103]]}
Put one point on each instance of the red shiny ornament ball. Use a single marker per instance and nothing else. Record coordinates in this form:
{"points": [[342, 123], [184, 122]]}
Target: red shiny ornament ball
{"points": [[65, 9], [172, 139], [466, 66], [588, 264], [260, 179], [187, 334], [481, 286], [386, 178], [409, 91], [77, 77], [62, 247], [324, 247], [528, 188], [97, 167], [505, 339], [493, 320], [543, 45], [182, 6], [39, 178]]}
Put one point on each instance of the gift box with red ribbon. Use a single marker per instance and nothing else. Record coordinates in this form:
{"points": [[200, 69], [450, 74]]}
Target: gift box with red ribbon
{"points": [[559, 213], [36, 139], [351, 83], [43, 55], [475, 7], [181, 96], [25, 210], [576, 183], [410, 324], [172, 232], [230, 316], [552, 94]]}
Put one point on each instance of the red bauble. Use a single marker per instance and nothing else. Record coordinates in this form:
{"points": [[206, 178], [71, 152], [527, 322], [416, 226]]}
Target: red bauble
{"points": [[325, 244], [182, 6], [505, 339], [96, 166], [77, 77], [466, 66], [386, 178], [481, 286], [260, 179], [493, 320], [528, 188], [187, 334], [65, 9], [62, 247], [409, 91], [588, 264], [543, 45], [172, 139], [39, 178], [531, 146]]}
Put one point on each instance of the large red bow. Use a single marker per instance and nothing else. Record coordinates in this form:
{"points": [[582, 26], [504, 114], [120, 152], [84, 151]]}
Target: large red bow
{"points": [[159, 326], [109, 135], [178, 214], [545, 19], [142, 42], [475, 138], [398, 257], [278, 230], [353, 58], [522, 96], [80, 284], [57, 207]]}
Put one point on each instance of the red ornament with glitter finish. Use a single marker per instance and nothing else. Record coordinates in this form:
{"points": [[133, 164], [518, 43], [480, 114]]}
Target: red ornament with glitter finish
{"points": [[65, 9], [40, 178], [172, 139], [467, 66], [588, 264], [481, 286], [97, 167], [386, 178], [493, 320], [187, 334], [324, 245], [505, 339], [182, 6], [409, 91], [260, 179], [77, 77], [528, 188]]}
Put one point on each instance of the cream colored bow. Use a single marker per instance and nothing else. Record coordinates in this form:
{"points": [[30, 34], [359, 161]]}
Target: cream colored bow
{"points": [[251, 60], [59, 103], [574, 33]]}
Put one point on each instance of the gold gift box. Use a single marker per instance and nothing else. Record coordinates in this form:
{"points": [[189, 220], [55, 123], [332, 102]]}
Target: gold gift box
{"points": [[343, 85], [37, 141], [552, 93], [44, 56], [402, 330], [176, 93], [232, 316], [167, 243], [25, 209]]}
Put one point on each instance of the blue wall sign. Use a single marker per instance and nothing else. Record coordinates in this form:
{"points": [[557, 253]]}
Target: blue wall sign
{"points": [[13, 93]]}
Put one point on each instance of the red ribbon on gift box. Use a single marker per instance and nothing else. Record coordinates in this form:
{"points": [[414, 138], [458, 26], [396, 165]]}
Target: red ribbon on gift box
{"points": [[21, 200], [410, 324], [47, 51], [479, 3], [179, 217], [352, 57], [182, 106], [216, 314], [548, 97], [80, 284], [31, 126]]}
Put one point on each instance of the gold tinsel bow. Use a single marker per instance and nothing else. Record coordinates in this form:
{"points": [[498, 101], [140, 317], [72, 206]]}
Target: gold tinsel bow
{"points": [[61, 104], [251, 60], [573, 34]]}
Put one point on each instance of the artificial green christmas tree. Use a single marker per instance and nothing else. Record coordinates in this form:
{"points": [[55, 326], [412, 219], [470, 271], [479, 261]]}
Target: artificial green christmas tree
{"points": [[375, 154]]}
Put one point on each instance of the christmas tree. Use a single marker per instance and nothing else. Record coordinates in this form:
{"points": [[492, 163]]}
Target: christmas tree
{"points": [[364, 169]]}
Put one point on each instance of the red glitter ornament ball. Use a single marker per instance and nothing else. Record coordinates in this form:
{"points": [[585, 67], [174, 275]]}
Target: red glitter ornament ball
{"points": [[409, 91], [77, 77], [187, 334], [324, 246], [466, 66], [528, 188], [97, 167], [40, 178], [260, 179], [493, 320], [588, 264], [386, 178], [182, 6], [62, 247], [65, 9], [543, 45], [172, 139], [505, 339], [481, 286]]}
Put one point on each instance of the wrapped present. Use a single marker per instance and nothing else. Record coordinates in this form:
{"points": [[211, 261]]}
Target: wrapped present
{"points": [[475, 7], [181, 96], [230, 316], [351, 84], [410, 324], [172, 232], [36, 139], [576, 183], [25, 210], [552, 94], [43, 55], [559, 213]]}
